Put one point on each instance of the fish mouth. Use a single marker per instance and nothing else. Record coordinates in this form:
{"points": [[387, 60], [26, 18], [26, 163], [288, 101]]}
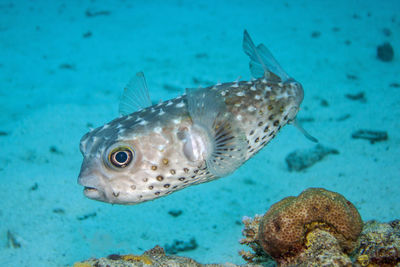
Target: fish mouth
{"points": [[93, 193], [91, 187]]}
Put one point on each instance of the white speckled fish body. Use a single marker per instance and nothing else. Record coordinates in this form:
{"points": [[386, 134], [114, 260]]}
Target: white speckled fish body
{"points": [[198, 137]]}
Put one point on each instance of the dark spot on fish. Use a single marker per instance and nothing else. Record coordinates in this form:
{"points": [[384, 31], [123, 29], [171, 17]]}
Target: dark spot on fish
{"points": [[186, 170], [150, 187], [257, 139], [167, 185], [194, 176], [175, 186], [181, 178], [260, 124], [172, 171], [115, 194], [165, 161], [270, 107], [263, 143], [286, 117], [276, 123], [251, 150], [154, 167], [196, 171], [266, 128], [145, 179], [271, 117], [159, 178], [156, 193], [251, 132]]}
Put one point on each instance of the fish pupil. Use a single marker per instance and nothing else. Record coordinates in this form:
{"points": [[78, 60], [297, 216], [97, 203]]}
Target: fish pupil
{"points": [[121, 157]]}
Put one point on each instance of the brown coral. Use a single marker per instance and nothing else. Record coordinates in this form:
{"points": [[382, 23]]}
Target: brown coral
{"points": [[283, 229]]}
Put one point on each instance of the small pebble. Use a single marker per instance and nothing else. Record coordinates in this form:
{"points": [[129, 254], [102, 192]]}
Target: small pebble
{"points": [[34, 187], [387, 32], [351, 77], [87, 216], [371, 135], [175, 213], [59, 211], [385, 52], [315, 34], [357, 97], [395, 85], [299, 160], [87, 34]]}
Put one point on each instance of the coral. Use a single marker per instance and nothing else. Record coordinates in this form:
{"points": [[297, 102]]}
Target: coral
{"points": [[250, 232], [155, 257], [379, 244], [283, 229]]}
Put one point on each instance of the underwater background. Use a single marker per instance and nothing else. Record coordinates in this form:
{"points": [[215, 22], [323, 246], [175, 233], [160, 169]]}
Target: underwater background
{"points": [[63, 65]]}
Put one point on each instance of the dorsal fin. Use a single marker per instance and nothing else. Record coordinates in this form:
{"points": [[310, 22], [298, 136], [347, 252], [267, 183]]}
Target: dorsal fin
{"points": [[262, 62], [135, 95], [228, 141]]}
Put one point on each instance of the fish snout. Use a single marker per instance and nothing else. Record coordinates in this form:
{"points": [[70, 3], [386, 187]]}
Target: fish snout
{"points": [[92, 186]]}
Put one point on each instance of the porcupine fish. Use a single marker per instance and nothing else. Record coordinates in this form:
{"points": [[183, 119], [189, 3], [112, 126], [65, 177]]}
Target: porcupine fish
{"points": [[198, 137]]}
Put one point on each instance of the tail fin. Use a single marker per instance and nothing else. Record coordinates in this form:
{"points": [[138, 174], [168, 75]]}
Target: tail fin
{"points": [[262, 62]]}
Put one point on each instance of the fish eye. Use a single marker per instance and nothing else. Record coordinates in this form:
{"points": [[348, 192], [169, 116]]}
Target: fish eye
{"points": [[121, 157]]}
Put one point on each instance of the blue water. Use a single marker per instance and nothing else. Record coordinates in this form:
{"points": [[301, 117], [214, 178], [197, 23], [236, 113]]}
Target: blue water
{"points": [[63, 65]]}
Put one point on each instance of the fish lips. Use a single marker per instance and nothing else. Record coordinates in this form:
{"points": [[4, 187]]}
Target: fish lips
{"points": [[92, 188]]}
